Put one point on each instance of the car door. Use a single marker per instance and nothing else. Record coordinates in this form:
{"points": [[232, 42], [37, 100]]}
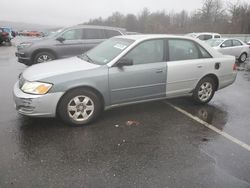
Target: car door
{"points": [[237, 48], [72, 44], [226, 47], [92, 37], [145, 79], [187, 62]]}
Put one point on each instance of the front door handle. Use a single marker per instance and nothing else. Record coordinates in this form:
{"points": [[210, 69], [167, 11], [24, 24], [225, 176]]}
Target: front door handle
{"points": [[199, 66]]}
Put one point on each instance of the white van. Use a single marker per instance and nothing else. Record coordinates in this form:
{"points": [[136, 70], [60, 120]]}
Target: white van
{"points": [[204, 36]]}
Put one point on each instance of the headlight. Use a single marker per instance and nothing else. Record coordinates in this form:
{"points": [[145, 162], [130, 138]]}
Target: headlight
{"points": [[24, 45], [38, 88]]}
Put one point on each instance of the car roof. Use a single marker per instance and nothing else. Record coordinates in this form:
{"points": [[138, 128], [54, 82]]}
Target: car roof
{"points": [[204, 33], [226, 39], [96, 27], [152, 36]]}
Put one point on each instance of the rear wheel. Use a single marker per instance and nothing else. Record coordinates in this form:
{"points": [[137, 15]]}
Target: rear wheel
{"points": [[204, 90], [243, 57], [43, 57], [79, 107]]}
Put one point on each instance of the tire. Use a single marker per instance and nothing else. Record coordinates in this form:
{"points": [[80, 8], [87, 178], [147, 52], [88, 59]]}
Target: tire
{"points": [[204, 91], [43, 57], [72, 108], [243, 57]]}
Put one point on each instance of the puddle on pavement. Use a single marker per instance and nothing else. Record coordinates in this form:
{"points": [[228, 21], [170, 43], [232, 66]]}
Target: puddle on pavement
{"points": [[209, 113]]}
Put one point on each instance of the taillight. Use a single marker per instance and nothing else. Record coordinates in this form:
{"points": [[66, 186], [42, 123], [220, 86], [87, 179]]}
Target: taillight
{"points": [[235, 67], [5, 34]]}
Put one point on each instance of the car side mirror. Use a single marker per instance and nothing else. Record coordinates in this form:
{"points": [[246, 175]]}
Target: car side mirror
{"points": [[124, 62], [60, 39], [223, 46]]}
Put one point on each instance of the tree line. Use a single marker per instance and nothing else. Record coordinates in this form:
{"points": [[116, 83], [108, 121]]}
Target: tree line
{"points": [[214, 16]]}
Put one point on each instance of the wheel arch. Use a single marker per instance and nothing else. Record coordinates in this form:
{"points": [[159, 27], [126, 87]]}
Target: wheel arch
{"points": [[82, 87], [214, 77], [33, 55], [244, 52]]}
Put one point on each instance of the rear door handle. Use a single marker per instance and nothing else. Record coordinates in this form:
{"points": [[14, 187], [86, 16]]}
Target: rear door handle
{"points": [[199, 66]]}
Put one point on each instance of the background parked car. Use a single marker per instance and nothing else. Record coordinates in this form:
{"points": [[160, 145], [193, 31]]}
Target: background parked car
{"points": [[204, 36], [65, 43], [34, 34], [231, 46], [6, 35], [10, 31]]}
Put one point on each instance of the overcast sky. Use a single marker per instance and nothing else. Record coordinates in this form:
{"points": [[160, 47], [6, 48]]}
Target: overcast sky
{"points": [[70, 12]]}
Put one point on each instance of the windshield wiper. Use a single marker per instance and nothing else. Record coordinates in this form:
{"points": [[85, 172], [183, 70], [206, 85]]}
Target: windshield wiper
{"points": [[87, 58]]}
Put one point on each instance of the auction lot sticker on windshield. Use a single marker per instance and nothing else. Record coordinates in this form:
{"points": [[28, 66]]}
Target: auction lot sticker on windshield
{"points": [[120, 46]]}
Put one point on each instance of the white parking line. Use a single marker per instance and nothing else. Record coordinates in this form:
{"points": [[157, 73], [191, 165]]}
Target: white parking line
{"points": [[226, 135]]}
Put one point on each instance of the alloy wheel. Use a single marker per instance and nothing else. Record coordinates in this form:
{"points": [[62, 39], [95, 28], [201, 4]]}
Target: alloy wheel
{"points": [[80, 108], [205, 91]]}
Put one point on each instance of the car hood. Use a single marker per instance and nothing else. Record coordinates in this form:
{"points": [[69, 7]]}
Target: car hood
{"points": [[56, 67], [216, 47], [35, 40]]}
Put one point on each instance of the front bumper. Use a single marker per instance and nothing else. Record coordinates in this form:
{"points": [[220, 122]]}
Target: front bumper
{"points": [[23, 58], [36, 105]]}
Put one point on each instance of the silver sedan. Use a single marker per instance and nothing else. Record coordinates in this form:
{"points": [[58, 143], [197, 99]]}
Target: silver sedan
{"points": [[121, 71], [231, 46]]}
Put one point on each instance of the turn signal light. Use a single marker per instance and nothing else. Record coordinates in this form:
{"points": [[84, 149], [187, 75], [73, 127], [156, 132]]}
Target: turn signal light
{"points": [[235, 67]]}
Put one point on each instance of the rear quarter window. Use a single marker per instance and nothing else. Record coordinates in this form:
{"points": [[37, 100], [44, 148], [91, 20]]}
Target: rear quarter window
{"points": [[204, 53]]}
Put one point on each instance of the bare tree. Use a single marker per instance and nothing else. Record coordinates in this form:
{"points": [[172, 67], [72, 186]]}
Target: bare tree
{"points": [[213, 16]]}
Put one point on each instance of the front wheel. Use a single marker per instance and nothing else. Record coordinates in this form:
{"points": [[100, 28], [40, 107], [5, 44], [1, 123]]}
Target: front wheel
{"points": [[43, 57], [204, 90], [79, 107]]}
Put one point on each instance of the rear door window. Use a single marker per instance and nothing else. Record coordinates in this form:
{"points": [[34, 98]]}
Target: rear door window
{"points": [[207, 37], [182, 50], [236, 43], [93, 33]]}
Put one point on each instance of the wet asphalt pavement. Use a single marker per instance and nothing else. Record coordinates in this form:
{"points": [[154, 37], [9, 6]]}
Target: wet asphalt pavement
{"points": [[161, 148]]}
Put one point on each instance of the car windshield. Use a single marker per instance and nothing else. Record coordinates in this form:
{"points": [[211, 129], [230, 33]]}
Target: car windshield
{"points": [[214, 42], [106, 51], [7, 30]]}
